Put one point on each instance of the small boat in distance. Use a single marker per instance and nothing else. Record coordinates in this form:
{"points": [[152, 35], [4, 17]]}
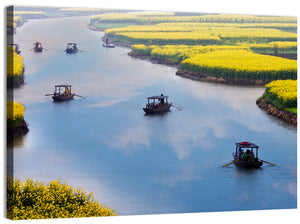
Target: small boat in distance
{"points": [[71, 48], [244, 156], [37, 47], [108, 45], [62, 93], [157, 104]]}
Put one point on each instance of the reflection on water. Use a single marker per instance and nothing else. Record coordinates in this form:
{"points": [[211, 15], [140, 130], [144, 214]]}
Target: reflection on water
{"points": [[136, 163]]}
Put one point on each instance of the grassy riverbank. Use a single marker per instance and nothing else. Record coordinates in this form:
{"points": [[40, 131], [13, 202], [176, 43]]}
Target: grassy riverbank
{"points": [[16, 124], [236, 63], [280, 100], [239, 49], [15, 68]]}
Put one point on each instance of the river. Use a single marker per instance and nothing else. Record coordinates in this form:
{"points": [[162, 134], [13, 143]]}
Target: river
{"points": [[137, 164]]}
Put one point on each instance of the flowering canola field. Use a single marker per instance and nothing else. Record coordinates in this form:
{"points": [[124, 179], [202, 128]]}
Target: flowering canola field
{"points": [[194, 34], [242, 64], [143, 18], [15, 113], [282, 93], [15, 66], [35, 200], [177, 53]]}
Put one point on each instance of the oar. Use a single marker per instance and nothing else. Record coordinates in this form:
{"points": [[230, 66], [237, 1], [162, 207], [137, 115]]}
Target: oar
{"points": [[267, 162], [234, 161], [177, 107], [50, 94]]}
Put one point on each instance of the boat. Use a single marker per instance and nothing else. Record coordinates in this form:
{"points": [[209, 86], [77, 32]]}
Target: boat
{"points": [[37, 47], [108, 45], [157, 104], [245, 157], [71, 48], [62, 93]]}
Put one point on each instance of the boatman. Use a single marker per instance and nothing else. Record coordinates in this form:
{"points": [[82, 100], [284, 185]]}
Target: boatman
{"points": [[162, 100], [67, 91]]}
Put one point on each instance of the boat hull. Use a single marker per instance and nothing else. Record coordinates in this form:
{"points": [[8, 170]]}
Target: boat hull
{"points": [[71, 51], [154, 110], [38, 49], [63, 97], [246, 164], [108, 45]]}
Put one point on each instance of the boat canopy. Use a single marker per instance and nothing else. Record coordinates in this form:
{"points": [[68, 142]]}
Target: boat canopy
{"points": [[157, 97], [63, 85], [246, 145]]}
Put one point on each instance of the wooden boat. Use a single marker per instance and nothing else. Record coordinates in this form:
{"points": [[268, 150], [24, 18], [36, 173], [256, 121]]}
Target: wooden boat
{"points": [[108, 45], [244, 156], [157, 104], [62, 93], [71, 48], [37, 47]]}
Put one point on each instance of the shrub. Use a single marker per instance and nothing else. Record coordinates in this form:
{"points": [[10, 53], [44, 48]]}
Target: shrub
{"points": [[15, 113], [15, 68], [35, 200]]}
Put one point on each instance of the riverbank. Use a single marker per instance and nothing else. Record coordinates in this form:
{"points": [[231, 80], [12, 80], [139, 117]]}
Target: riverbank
{"points": [[92, 27], [197, 76], [283, 115], [219, 72], [208, 78], [15, 81], [17, 130]]}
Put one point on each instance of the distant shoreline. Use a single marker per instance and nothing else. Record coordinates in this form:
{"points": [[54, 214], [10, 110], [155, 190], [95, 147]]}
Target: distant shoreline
{"points": [[194, 75]]}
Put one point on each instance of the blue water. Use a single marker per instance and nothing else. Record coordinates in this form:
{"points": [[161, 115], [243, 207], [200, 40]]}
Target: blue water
{"points": [[137, 164]]}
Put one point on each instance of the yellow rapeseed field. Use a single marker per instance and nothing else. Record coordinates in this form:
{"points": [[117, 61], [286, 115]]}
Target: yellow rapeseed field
{"points": [[284, 89], [222, 18], [15, 112], [36, 200], [14, 61], [15, 68], [241, 64], [197, 33]]}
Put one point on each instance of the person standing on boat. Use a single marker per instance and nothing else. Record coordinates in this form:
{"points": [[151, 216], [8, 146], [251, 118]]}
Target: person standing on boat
{"points": [[162, 100]]}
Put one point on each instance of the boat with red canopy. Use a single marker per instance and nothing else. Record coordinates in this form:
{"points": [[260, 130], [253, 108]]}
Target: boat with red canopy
{"points": [[246, 155]]}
